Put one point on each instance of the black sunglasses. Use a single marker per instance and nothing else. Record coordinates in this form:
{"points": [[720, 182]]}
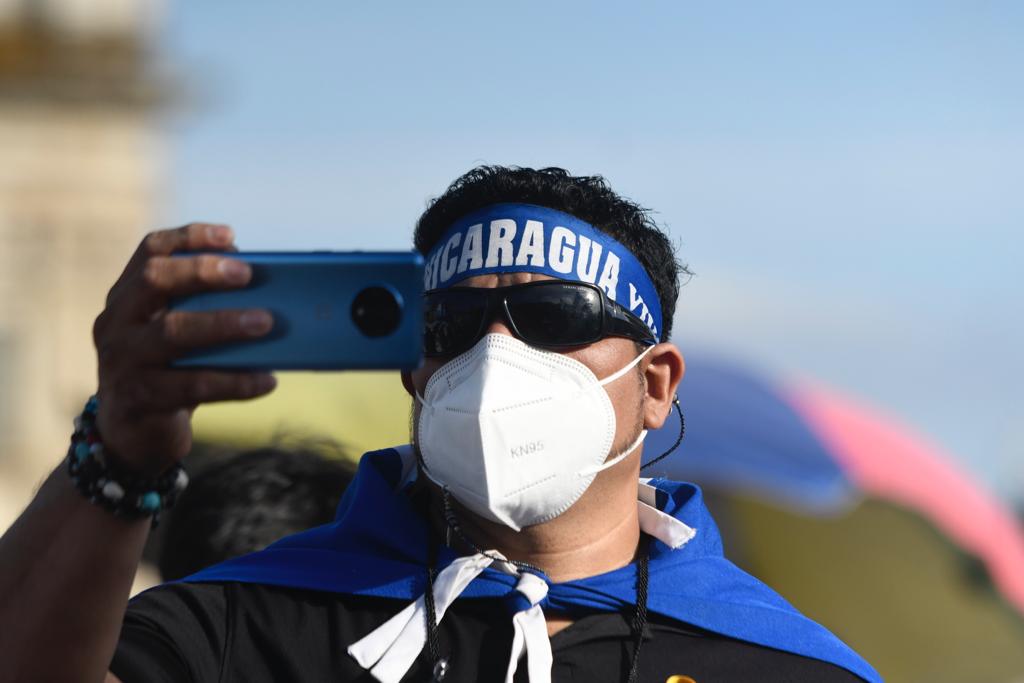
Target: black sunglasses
{"points": [[550, 313]]}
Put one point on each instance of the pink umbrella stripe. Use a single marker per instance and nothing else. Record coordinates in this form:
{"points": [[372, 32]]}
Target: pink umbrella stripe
{"points": [[889, 461]]}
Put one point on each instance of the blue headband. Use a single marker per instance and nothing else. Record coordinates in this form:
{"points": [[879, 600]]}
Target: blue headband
{"points": [[518, 238]]}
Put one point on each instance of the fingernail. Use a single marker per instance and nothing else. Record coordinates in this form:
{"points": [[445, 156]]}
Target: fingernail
{"points": [[233, 271], [256, 322], [219, 234], [265, 383]]}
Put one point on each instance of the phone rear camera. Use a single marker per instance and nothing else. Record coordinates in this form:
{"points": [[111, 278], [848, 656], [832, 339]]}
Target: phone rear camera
{"points": [[376, 311]]}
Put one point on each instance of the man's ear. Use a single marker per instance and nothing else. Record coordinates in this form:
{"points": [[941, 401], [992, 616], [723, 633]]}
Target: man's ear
{"points": [[664, 370], [407, 383]]}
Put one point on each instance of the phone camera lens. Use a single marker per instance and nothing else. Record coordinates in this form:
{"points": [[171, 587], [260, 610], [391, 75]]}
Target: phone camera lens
{"points": [[376, 311]]}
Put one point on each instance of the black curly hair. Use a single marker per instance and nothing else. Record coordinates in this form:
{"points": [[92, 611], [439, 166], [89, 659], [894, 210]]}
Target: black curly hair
{"points": [[239, 503], [587, 197]]}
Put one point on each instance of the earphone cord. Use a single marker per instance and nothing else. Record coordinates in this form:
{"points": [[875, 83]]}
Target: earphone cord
{"points": [[682, 431], [640, 615], [428, 597], [439, 665]]}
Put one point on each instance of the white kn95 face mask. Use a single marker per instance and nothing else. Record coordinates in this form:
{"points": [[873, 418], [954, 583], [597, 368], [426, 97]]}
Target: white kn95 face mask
{"points": [[516, 433]]}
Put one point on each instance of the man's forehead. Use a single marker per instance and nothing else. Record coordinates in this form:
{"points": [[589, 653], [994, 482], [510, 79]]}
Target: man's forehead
{"points": [[492, 280]]}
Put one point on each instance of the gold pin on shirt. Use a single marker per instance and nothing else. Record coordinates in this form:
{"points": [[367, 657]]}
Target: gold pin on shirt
{"points": [[679, 679]]}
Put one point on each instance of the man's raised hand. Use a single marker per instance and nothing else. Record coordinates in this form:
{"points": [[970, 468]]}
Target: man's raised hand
{"points": [[145, 405]]}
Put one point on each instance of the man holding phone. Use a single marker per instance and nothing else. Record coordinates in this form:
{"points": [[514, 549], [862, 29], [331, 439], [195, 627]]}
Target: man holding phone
{"points": [[512, 541]]}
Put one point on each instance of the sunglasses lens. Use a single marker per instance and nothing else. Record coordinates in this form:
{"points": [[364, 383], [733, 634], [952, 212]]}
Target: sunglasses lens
{"points": [[556, 314], [452, 320]]}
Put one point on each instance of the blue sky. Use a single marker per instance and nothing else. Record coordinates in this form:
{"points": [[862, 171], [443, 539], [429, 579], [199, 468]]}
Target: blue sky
{"points": [[845, 179]]}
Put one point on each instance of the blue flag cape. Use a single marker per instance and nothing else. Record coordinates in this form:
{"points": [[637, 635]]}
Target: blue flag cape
{"points": [[377, 546]]}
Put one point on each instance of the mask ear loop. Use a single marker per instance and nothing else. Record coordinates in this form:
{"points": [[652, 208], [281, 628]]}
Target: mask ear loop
{"points": [[622, 371], [682, 431]]}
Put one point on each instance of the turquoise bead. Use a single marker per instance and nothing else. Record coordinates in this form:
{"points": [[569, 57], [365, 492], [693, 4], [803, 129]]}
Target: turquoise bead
{"points": [[150, 502], [81, 451]]}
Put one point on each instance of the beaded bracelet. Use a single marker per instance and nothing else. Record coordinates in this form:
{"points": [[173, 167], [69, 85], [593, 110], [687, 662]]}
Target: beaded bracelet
{"points": [[114, 488]]}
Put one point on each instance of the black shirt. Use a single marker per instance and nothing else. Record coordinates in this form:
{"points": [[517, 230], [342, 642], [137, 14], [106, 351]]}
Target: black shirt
{"points": [[247, 632]]}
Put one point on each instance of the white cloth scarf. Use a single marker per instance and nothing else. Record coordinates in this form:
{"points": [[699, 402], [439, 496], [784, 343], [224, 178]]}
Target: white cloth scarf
{"points": [[389, 651]]}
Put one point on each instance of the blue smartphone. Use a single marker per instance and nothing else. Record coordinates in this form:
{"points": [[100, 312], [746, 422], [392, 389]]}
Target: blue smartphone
{"points": [[332, 311]]}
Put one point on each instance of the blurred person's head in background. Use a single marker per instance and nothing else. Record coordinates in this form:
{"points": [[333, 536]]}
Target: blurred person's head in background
{"points": [[243, 502]]}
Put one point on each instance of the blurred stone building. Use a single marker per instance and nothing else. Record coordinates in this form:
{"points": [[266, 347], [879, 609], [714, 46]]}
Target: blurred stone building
{"points": [[79, 175]]}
